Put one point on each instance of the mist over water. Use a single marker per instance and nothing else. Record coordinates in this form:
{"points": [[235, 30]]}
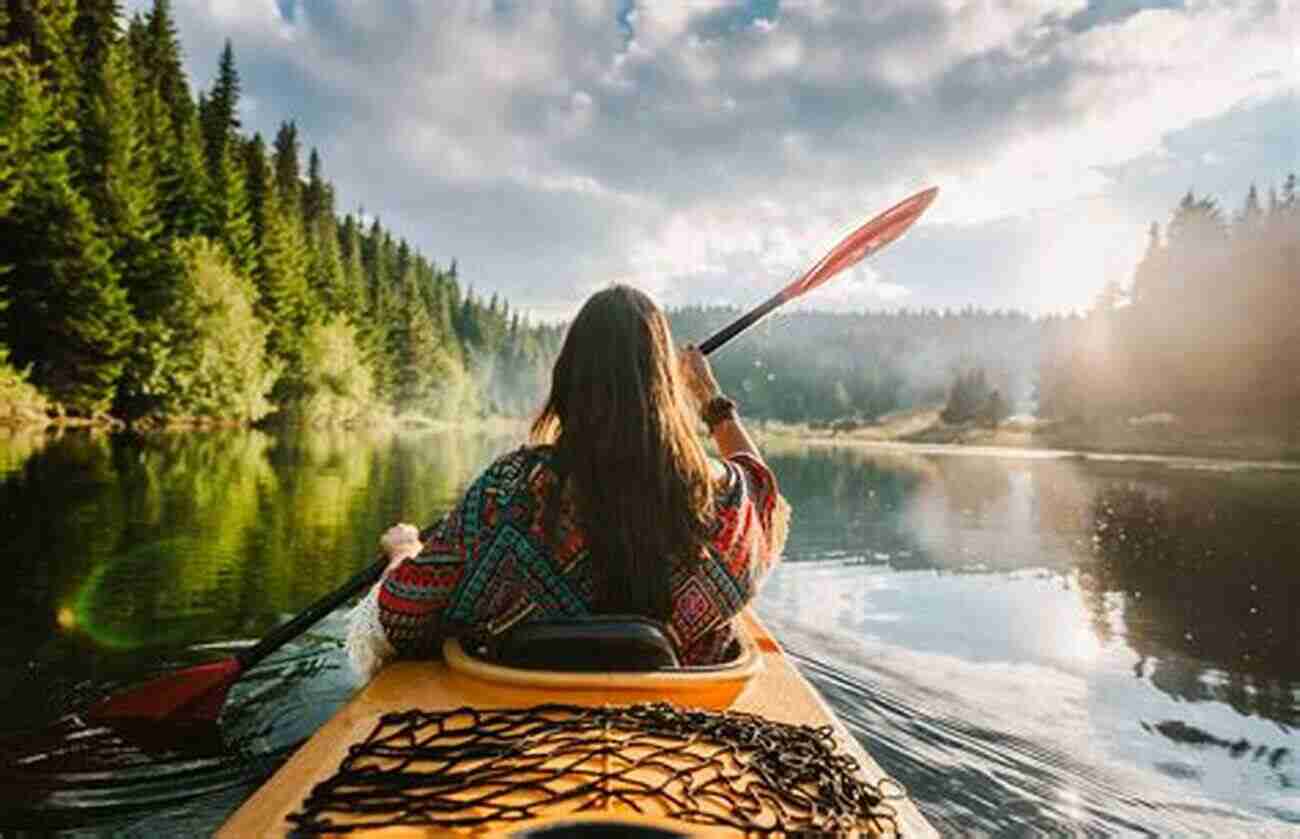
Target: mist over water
{"points": [[1032, 646]]}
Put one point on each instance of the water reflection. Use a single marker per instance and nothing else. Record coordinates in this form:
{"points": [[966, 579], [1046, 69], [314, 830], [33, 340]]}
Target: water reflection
{"points": [[1204, 581], [928, 511], [1194, 571], [123, 542], [16, 446], [978, 621], [129, 550], [981, 631], [850, 506], [133, 554]]}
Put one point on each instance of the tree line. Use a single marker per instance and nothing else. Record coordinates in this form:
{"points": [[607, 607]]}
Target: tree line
{"points": [[158, 262], [818, 367], [1206, 331]]}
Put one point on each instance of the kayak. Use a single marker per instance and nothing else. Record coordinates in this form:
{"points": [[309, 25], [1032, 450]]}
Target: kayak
{"points": [[468, 745]]}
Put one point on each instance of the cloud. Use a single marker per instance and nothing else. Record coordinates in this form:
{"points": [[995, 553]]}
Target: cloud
{"points": [[706, 150]]}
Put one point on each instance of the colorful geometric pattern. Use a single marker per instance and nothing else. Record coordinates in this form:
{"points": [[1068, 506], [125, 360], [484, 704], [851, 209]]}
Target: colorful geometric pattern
{"points": [[487, 565]]}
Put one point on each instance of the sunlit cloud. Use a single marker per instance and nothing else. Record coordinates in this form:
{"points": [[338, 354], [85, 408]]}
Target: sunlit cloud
{"points": [[702, 149]]}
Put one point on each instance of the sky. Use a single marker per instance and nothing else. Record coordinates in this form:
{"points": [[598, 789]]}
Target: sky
{"points": [[708, 151]]}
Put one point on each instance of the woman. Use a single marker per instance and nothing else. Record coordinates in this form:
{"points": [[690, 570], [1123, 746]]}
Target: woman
{"points": [[615, 508]]}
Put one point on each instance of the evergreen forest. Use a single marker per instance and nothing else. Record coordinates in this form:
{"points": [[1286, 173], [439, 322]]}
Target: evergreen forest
{"points": [[161, 264], [818, 367], [1208, 329]]}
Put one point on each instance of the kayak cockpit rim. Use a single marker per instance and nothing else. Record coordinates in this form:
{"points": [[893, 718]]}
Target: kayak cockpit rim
{"points": [[747, 664]]}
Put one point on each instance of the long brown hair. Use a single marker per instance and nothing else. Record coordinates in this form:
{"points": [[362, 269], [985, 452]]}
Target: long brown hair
{"points": [[626, 453]]}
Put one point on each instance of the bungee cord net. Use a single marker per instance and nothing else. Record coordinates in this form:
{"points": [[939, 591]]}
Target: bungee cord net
{"points": [[474, 768]]}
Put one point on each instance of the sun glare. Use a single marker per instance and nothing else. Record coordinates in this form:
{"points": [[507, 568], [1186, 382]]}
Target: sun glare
{"points": [[1074, 640], [66, 618], [1078, 252]]}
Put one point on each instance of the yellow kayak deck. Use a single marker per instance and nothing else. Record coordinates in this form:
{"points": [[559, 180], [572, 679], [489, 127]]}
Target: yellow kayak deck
{"points": [[764, 684]]}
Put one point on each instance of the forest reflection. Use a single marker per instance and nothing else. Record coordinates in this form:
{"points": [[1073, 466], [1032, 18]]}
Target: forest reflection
{"points": [[1203, 582], [1194, 571], [120, 545], [121, 542]]}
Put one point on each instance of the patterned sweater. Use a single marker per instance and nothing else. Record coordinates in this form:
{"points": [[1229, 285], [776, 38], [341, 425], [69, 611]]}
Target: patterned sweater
{"points": [[487, 565]]}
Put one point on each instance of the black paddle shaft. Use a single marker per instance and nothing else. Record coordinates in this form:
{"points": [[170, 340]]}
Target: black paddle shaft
{"points": [[742, 323], [285, 633]]}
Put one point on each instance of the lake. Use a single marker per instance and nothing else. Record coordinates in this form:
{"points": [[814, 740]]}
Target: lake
{"points": [[1033, 645]]}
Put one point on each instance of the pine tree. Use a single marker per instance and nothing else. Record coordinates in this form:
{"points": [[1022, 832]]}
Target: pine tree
{"points": [[325, 268], [24, 117], [1290, 199], [94, 39], [67, 317], [19, 132], [176, 137], [1196, 225], [288, 171], [164, 63], [116, 171], [257, 177], [220, 115], [41, 31], [377, 258], [315, 198], [233, 217], [228, 214], [441, 314], [352, 273], [427, 377], [137, 38], [115, 167], [285, 301], [1252, 213]]}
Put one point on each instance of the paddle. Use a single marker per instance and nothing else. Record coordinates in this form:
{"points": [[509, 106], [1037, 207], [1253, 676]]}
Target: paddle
{"points": [[855, 247], [198, 693]]}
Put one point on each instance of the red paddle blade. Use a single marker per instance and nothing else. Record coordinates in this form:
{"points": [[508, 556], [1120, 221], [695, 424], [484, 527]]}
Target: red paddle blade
{"points": [[863, 242], [195, 693]]}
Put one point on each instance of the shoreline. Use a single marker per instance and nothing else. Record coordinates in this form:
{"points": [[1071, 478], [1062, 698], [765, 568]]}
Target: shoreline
{"points": [[920, 432], [1042, 452], [909, 432], [407, 424]]}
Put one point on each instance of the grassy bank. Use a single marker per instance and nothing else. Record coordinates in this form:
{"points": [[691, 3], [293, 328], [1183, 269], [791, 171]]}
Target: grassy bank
{"points": [[923, 427]]}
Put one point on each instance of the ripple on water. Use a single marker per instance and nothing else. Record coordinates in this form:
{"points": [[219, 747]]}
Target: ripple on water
{"points": [[83, 778], [993, 777]]}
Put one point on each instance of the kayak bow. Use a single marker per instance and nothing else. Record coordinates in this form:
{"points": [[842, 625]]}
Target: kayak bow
{"points": [[760, 688]]}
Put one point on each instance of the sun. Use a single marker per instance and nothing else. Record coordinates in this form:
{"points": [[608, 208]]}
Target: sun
{"points": [[1078, 250]]}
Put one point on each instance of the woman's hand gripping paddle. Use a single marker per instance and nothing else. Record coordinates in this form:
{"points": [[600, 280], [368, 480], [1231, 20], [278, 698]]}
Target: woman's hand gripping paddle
{"points": [[855, 247], [198, 693]]}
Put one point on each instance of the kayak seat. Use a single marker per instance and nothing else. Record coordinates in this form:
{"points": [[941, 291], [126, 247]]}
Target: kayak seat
{"points": [[599, 643]]}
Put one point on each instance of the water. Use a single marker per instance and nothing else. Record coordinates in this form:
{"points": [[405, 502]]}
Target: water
{"points": [[1034, 646]]}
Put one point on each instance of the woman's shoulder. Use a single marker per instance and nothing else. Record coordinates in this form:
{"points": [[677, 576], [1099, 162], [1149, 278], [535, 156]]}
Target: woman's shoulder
{"points": [[519, 464]]}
